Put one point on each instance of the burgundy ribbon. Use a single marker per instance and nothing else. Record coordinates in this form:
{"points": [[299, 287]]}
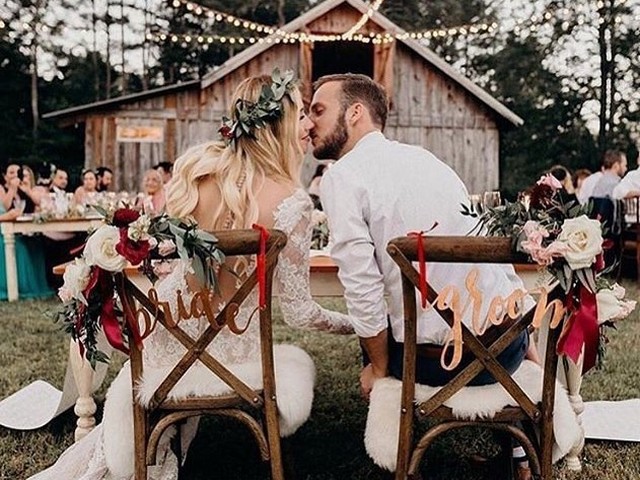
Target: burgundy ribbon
{"points": [[581, 328], [261, 266], [422, 265]]}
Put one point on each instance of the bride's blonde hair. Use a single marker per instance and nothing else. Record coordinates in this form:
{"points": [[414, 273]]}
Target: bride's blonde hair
{"points": [[273, 151]]}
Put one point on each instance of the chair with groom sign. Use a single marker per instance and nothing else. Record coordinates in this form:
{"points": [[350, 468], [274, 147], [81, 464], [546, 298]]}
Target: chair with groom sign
{"points": [[241, 402], [518, 421]]}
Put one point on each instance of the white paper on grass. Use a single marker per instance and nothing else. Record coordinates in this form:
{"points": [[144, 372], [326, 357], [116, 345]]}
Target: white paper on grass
{"points": [[618, 421], [40, 402]]}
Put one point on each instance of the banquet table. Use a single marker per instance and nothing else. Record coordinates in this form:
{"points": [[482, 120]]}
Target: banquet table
{"points": [[26, 225]]}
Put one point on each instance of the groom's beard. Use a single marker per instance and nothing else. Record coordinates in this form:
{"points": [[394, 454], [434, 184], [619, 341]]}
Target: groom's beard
{"points": [[331, 147]]}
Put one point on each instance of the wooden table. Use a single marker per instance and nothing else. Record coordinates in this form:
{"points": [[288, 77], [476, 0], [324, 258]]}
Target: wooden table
{"points": [[26, 225]]}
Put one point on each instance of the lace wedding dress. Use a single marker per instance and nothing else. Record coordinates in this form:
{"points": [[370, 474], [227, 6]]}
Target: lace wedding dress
{"points": [[107, 452]]}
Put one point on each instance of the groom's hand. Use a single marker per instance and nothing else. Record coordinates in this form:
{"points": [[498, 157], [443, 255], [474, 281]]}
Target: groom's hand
{"points": [[368, 376]]}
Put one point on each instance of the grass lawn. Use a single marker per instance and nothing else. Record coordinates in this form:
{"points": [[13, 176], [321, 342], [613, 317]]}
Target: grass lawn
{"points": [[329, 446]]}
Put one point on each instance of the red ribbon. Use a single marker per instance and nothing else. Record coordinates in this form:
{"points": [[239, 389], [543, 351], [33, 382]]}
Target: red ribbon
{"points": [[422, 264], [261, 266], [581, 328]]}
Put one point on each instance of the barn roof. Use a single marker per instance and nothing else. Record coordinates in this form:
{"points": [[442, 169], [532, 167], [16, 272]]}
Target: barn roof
{"points": [[114, 102], [428, 55]]}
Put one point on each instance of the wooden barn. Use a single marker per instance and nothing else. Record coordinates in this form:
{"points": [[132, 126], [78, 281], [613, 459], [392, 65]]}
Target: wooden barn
{"points": [[432, 104]]}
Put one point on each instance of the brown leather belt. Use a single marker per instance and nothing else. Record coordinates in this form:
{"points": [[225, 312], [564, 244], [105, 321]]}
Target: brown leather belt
{"points": [[490, 335]]}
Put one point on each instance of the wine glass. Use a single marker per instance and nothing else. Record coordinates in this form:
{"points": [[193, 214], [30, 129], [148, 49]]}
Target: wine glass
{"points": [[20, 205], [475, 200], [491, 199]]}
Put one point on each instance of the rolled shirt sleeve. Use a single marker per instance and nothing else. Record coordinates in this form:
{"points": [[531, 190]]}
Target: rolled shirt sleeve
{"points": [[353, 251]]}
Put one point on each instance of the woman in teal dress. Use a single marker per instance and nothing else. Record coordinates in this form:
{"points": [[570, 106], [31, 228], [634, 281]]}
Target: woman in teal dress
{"points": [[32, 280]]}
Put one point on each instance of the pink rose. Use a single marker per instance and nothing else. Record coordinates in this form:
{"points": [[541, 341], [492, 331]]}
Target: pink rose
{"points": [[545, 256], [166, 247], [550, 181]]}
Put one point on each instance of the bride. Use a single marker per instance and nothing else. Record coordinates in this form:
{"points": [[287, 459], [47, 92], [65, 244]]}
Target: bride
{"points": [[230, 184]]}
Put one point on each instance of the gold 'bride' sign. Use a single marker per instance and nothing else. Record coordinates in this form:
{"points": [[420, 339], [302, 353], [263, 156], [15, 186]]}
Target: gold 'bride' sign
{"points": [[202, 304]]}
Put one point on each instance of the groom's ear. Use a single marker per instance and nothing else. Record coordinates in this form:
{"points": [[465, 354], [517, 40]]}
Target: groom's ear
{"points": [[354, 113]]}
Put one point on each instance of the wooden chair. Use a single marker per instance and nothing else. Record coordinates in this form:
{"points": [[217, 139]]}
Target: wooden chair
{"points": [[527, 414], [152, 421], [631, 233]]}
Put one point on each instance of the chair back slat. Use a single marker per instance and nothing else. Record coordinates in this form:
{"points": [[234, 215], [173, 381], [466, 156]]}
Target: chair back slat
{"points": [[231, 243]]}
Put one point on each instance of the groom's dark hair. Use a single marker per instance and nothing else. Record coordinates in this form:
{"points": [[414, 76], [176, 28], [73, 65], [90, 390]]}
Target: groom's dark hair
{"points": [[356, 87]]}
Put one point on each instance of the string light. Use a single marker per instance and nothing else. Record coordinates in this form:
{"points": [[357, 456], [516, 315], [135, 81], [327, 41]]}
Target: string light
{"points": [[218, 16], [363, 19]]}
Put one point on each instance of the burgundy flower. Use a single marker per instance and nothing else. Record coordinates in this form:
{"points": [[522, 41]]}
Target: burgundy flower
{"points": [[134, 252], [541, 196], [226, 131], [124, 216]]}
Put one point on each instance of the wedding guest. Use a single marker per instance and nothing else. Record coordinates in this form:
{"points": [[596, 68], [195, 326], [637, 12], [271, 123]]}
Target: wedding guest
{"points": [[224, 185], [59, 181], [614, 166], [588, 184], [562, 174], [88, 189], [28, 186], [629, 186], [578, 179], [104, 176], [153, 202], [166, 171], [376, 191], [14, 191]]}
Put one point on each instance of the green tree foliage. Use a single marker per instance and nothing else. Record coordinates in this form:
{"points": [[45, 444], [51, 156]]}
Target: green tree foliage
{"points": [[554, 131]]}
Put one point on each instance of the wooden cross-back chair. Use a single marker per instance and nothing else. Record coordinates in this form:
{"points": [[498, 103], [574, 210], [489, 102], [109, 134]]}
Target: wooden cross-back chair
{"points": [[517, 422], [631, 233], [151, 421]]}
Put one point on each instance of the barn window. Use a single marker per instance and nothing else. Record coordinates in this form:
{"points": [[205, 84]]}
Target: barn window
{"points": [[342, 57]]}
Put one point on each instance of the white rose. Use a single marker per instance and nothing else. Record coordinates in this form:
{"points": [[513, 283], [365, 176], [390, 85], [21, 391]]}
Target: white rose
{"points": [[583, 238], [76, 279], [139, 229], [317, 217], [101, 249], [611, 304]]}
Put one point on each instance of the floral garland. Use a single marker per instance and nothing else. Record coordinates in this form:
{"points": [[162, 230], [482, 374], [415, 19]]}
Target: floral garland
{"points": [[558, 235], [89, 294], [249, 116]]}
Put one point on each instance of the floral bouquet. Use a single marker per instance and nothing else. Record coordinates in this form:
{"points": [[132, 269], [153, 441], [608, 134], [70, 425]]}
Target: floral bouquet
{"points": [[89, 297], [558, 235], [320, 233]]}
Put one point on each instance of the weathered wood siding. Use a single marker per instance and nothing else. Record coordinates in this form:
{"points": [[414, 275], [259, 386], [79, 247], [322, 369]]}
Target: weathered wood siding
{"points": [[432, 111]]}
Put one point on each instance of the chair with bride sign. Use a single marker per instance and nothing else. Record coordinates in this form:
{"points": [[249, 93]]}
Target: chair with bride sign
{"points": [[255, 406], [522, 415]]}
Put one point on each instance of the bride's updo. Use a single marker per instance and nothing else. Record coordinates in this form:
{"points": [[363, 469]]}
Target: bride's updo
{"points": [[272, 151]]}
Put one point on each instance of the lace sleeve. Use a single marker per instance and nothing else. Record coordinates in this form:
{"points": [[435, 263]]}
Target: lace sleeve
{"points": [[292, 274]]}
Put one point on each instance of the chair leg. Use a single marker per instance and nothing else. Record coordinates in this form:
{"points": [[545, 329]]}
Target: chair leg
{"points": [[140, 431], [405, 441], [546, 447], [273, 439]]}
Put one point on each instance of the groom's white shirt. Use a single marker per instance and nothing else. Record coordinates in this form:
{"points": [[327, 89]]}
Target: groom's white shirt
{"points": [[383, 189]]}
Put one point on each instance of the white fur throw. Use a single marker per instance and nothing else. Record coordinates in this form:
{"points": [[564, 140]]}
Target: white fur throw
{"points": [[383, 421], [295, 378]]}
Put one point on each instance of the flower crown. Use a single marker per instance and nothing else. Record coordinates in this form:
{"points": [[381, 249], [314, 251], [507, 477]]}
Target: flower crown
{"points": [[250, 116]]}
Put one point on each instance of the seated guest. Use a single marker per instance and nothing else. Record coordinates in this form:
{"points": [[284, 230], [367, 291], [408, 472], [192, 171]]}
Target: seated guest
{"points": [[166, 171], [629, 186], [104, 176], [32, 282], [614, 166], [59, 181], [563, 175], [88, 189], [578, 178], [154, 198], [14, 191], [28, 186]]}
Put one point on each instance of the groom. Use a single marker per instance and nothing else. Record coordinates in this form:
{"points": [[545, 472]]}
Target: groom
{"points": [[378, 190]]}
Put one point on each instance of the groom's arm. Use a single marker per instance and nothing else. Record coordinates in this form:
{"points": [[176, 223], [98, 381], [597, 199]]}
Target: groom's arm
{"points": [[346, 204]]}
